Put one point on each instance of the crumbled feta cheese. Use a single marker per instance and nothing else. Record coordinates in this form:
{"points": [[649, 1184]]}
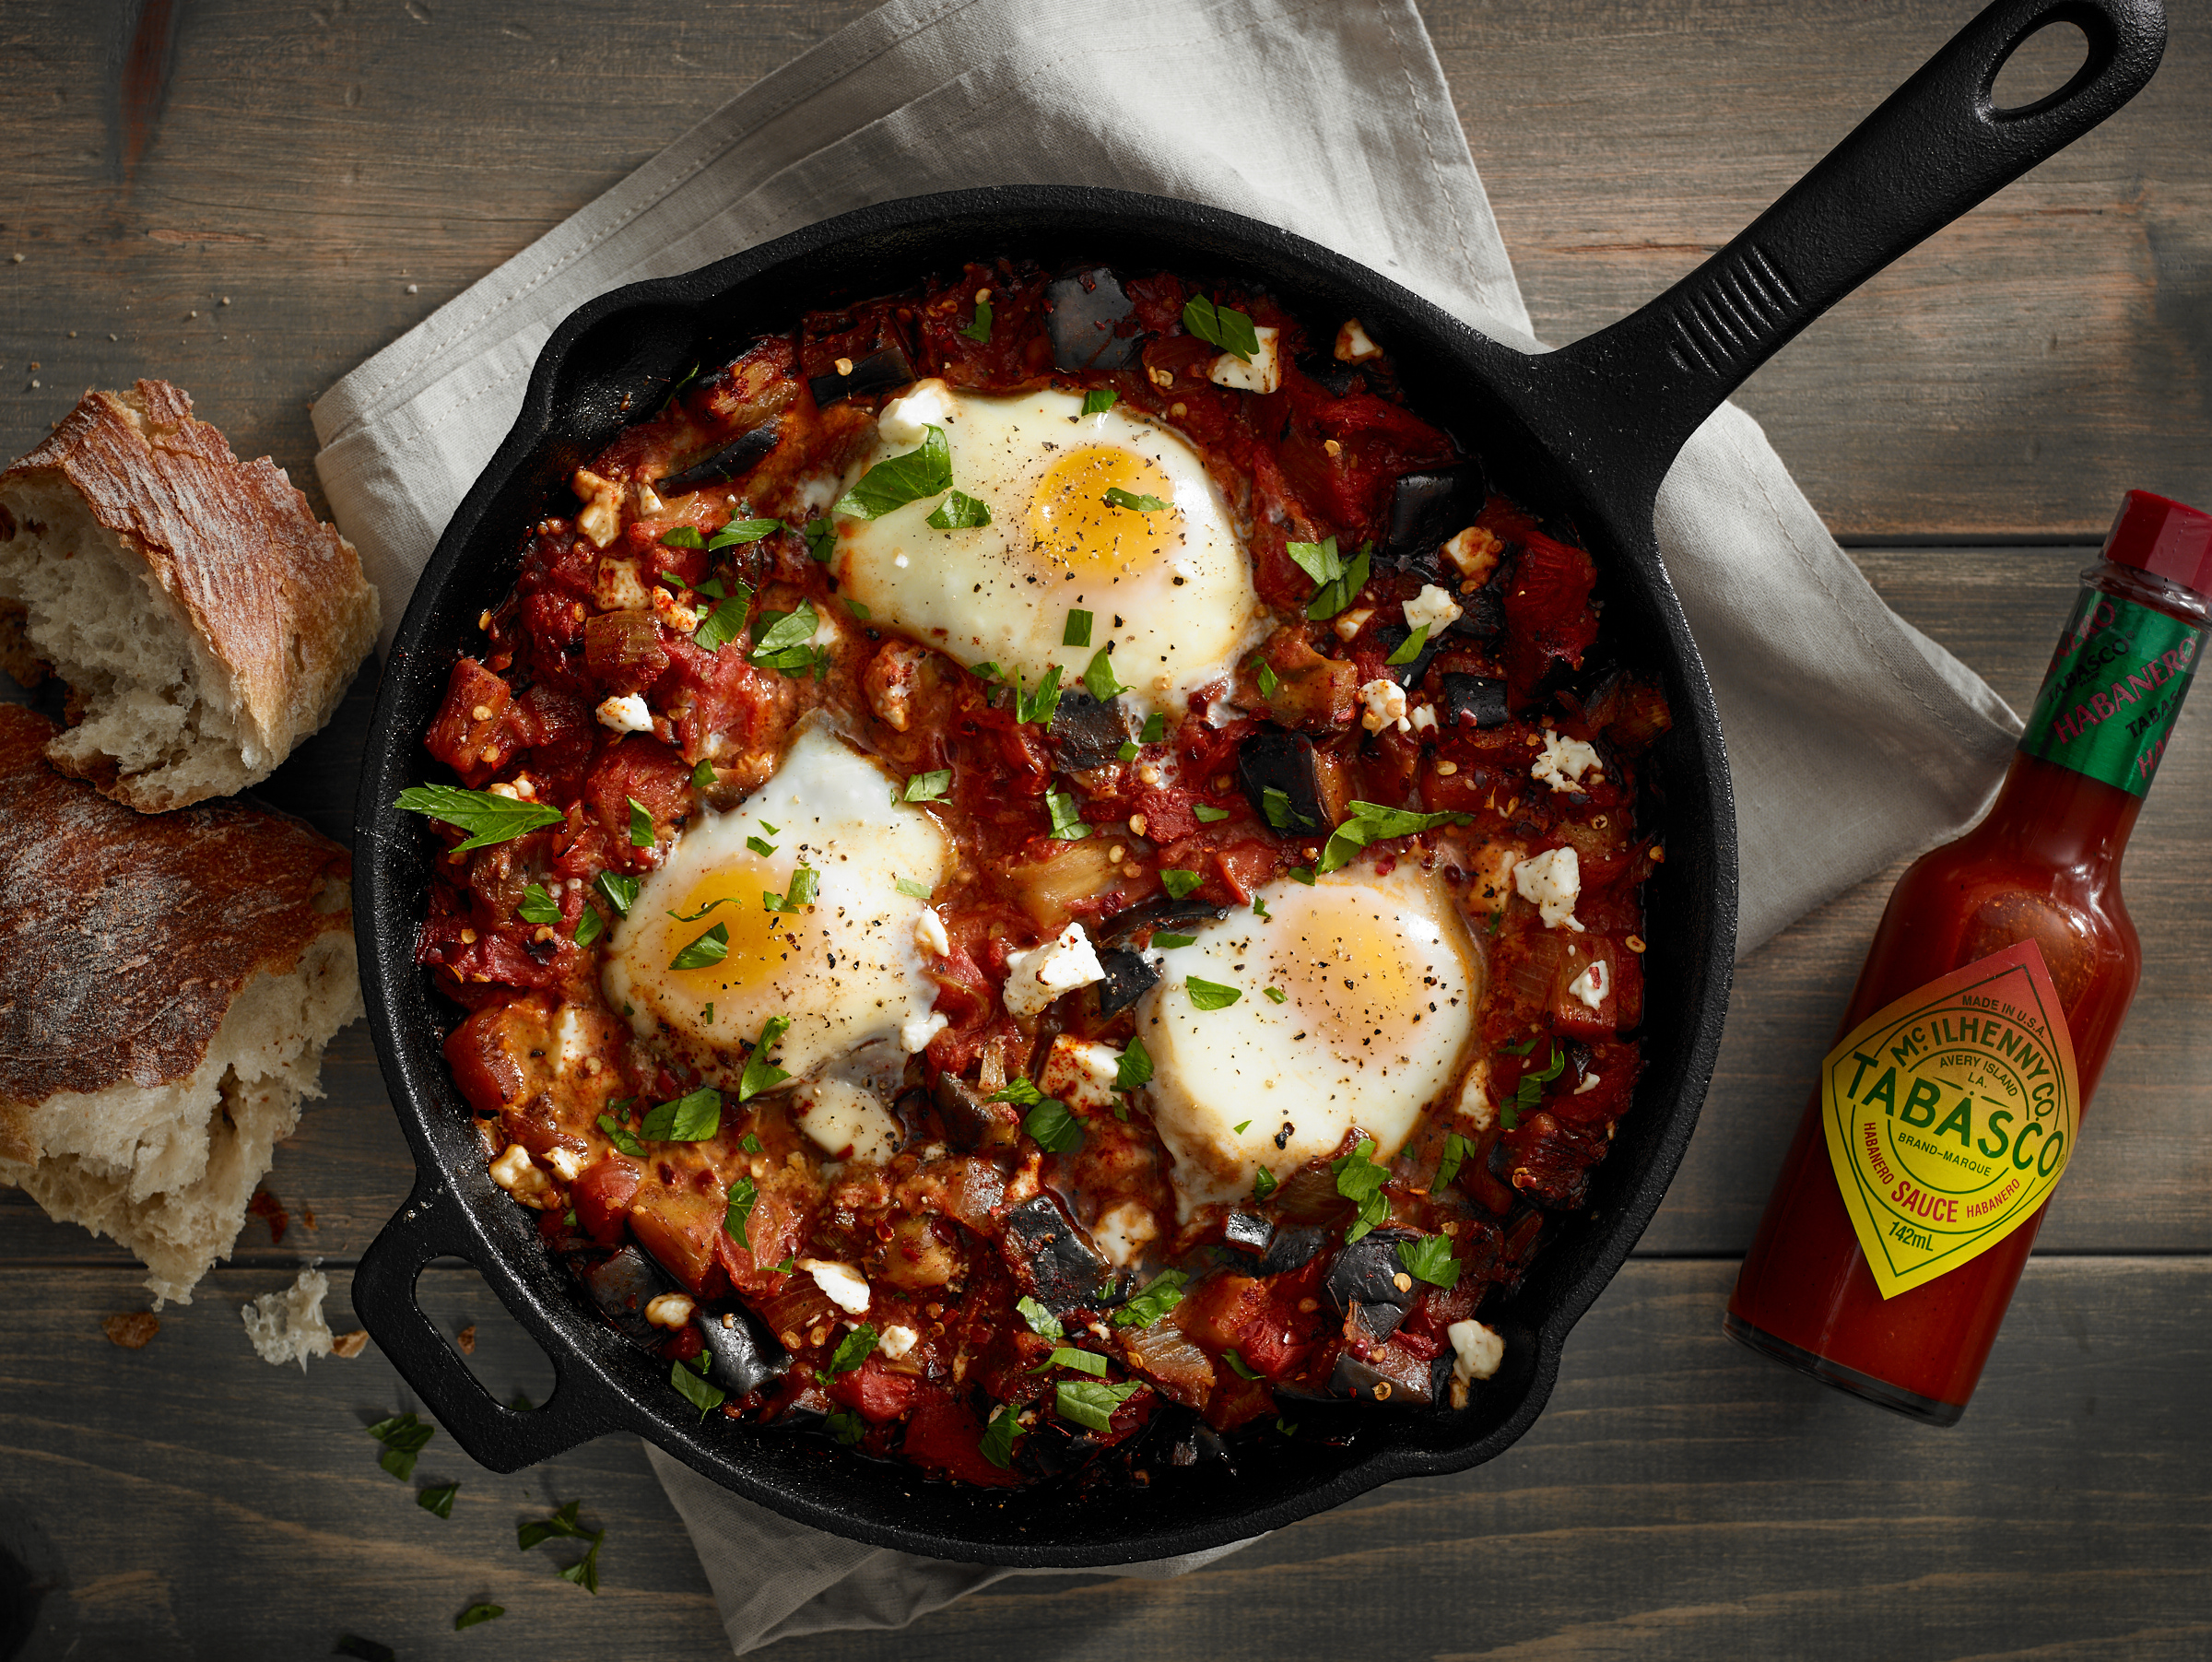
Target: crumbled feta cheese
{"points": [[1564, 761], [616, 587], [1590, 985], [1262, 374], [1039, 975], [915, 1035], [1475, 1350], [1589, 1084], [846, 1121], [671, 1310], [907, 420], [895, 1342], [1385, 702], [626, 713], [680, 619], [929, 935], [1353, 344], [1474, 1104], [1552, 882], [841, 1283], [1124, 1232], [1474, 553], [1431, 606], [649, 499], [1080, 1073], [1494, 877], [515, 1172], [599, 521], [566, 1163], [1351, 623], [1424, 718]]}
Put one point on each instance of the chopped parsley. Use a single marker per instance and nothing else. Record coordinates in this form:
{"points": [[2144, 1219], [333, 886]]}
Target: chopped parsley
{"points": [[621, 891], [1263, 673], [1068, 825], [699, 1392], [1155, 729], [1530, 1092], [1259, 910], [1274, 995], [750, 1143], [897, 481], [1238, 1365], [997, 1445], [1098, 679], [1210, 995], [760, 1074], [722, 624], [1264, 1184], [1099, 399], [1167, 940], [1134, 1070], [403, 1436], [1055, 1129], [1275, 804], [822, 540], [853, 1349], [708, 949], [1043, 1322], [1372, 822], [980, 328], [1430, 1258], [537, 906], [1222, 326], [1042, 704], [478, 1614], [1410, 649], [1091, 1403], [690, 1118], [958, 512], [1208, 814], [760, 846], [1078, 629], [1139, 503], [1241, 1129], [619, 1135], [737, 532], [1338, 581], [590, 926], [1456, 1148], [914, 891], [1152, 1301], [786, 641], [744, 1196], [846, 1426], [1067, 1356], [1360, 1180], [682, 537], [485, 816], [564, 1524], [438, 1498], [928, 787], [702, 775], [641, 825], [1178, 882]]}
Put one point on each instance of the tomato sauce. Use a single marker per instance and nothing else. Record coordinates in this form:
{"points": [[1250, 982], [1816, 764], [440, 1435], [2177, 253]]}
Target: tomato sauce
{"points": [[976, 1242]]}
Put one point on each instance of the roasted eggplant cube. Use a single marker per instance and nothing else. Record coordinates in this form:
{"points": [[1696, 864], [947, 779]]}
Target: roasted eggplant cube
{"points": [[1367, 1272], [877, 373], [1129, 976], [969, 1121], [1427, 510], [1374, 1323], [1051, 1259], [1292, 1248], [1394, 635], [1248, 1231], [742, 1355], [1390, 1376], [736, 458], [1474, 699], [623, 1284], [1087, 733], [1284, 762], [1168, 913], [1081, 311], [1481, 614]]}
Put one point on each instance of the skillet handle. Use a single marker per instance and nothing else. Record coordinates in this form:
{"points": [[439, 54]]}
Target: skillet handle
{"points": [[494, 1435], [1628, 398]]}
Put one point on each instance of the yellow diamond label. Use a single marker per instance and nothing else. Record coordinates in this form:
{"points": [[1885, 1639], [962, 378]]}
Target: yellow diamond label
{"points": [[1950, 1116]]}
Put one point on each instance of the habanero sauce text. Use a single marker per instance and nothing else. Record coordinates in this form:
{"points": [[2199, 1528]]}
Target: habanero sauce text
{"points": [[1081, 885]]}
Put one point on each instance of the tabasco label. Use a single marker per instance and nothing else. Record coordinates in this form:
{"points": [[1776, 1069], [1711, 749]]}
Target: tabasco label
{"points": [[2114, 688], [1950, 1116]]}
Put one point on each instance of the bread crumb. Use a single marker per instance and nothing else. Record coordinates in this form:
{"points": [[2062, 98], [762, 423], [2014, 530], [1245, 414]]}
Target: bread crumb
{"points": [[466, 1340], [133, 1329], [350, 1344], [289, 1326]]}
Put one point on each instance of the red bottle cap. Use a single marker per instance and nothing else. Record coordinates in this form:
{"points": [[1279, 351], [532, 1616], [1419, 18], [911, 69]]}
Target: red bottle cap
{"points": [[2166, 538]]}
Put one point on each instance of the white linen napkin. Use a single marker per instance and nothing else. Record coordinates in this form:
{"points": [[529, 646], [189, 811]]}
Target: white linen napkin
{"points": [[1854, 738]]}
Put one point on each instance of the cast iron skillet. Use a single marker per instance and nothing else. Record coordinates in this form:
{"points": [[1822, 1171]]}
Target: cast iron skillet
{"points": [[1585, 434]]}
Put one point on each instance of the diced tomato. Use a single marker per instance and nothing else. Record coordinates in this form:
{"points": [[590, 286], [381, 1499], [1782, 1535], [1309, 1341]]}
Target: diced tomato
{"points": [[879, 1395], [469, 733], [1547, 613], [680, 1227], [945, 1436], [601, 1197], [645, 770]]}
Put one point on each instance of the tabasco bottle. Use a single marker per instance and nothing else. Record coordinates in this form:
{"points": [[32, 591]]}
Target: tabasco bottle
{"points": [[1946, 1114]]}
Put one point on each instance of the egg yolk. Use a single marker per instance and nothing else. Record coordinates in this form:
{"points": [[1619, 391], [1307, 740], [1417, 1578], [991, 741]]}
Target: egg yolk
{"points": [[761, 942], [1350, 976], [1071, 520]]}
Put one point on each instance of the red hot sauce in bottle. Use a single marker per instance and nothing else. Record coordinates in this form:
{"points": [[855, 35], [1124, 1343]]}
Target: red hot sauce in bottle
{"points": [[1997, 983]]}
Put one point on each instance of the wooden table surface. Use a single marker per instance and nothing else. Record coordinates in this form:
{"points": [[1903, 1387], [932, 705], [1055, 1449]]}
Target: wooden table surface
{"points": [[248, 199]]}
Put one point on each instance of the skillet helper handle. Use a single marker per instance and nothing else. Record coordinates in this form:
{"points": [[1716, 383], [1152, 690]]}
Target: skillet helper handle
{"points": [[494, 1435], [1934, 148]]}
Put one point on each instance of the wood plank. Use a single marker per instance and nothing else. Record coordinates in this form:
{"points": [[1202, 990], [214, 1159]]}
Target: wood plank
{"points": [[1680, 1498], [2013, 376], [2017, 373]]}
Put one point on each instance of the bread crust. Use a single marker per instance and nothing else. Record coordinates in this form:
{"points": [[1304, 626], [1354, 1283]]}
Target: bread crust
{"points": [[275, 595], [124, 938]]}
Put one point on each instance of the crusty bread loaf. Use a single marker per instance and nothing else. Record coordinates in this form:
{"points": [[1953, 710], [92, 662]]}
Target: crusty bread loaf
{"points": [[204, 621], [166, 986]]}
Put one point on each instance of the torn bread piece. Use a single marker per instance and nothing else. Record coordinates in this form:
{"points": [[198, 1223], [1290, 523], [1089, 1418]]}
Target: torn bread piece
{"points": [[167, 986], [204, 621], [289, 1326]]}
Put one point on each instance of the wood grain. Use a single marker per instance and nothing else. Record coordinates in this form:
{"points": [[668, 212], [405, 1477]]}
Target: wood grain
{"points": [[1679, 1499]]}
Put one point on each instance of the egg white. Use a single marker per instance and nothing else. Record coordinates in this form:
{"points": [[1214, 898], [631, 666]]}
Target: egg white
{"points": [[1379, 983], [846, 970], [1170, 590]]}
